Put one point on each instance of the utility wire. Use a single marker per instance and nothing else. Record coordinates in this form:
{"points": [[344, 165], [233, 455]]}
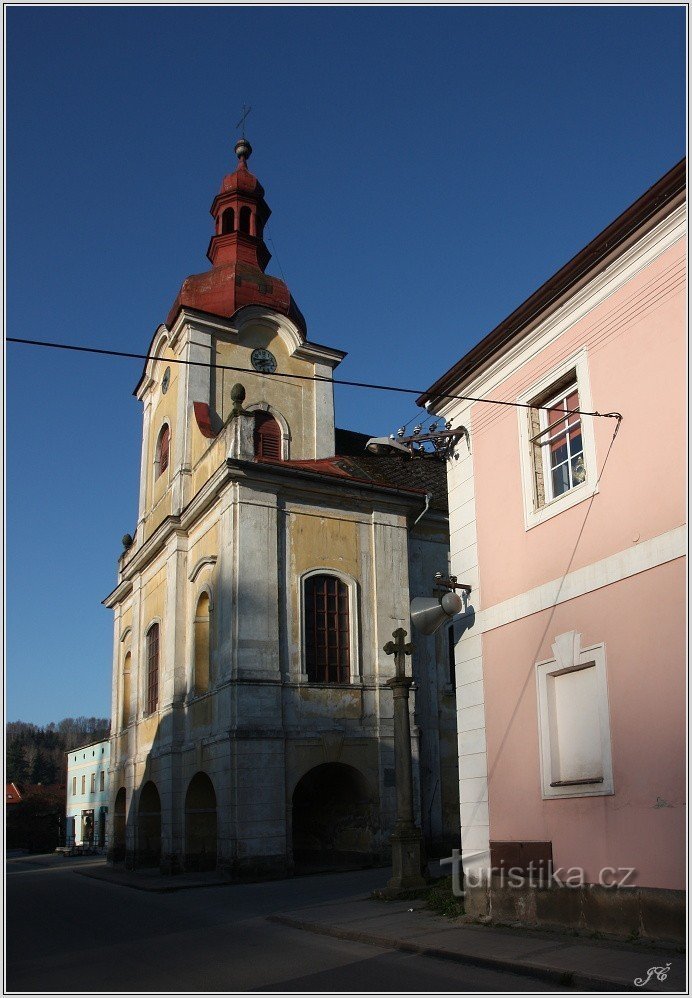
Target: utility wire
{"points": [[301, 377]]}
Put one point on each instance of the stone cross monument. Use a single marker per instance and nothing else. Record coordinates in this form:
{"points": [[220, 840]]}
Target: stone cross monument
{"points": [[407, 842]]}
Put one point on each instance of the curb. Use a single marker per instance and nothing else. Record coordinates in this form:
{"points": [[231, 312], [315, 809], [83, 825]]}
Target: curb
{"points": [[567, 978], [153, 888]]}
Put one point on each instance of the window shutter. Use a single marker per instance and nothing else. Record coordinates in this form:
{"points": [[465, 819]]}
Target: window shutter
{"points": [[537, 459], [267, 437], [162, 449]]}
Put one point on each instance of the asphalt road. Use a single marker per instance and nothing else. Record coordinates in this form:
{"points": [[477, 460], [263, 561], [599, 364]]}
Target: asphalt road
{"points": [[70, 933]]}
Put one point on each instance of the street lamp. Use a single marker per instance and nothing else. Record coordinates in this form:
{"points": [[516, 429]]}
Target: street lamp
{"points": [[429, 613]]}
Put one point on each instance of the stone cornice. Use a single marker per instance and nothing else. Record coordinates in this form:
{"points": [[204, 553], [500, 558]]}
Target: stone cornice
{"points": [[290, 482]]}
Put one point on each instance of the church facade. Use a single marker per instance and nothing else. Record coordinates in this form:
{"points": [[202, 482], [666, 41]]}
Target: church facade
{"points": [[272, 560]]}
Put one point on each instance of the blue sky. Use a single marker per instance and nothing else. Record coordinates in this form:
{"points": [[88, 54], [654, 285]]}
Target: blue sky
{"points": [[427, 169]]}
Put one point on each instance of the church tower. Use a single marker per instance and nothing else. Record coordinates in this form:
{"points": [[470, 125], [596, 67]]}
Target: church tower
{"points": [[271, 561]]}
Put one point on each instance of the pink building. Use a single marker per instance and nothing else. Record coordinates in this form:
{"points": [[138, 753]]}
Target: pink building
{"points": [[570, 670]]}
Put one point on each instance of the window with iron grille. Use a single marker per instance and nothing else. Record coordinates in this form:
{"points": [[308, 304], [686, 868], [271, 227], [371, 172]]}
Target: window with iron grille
{"points": [[327, 630], [152, 668], [557, 444], [162, 450], [267, 437]]}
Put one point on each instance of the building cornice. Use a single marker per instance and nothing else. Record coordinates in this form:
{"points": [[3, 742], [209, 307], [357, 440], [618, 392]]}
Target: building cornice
{"points": [[638, 558], [604, 284], [289, 481], [120, 593], [274, 474], [661, 199]]}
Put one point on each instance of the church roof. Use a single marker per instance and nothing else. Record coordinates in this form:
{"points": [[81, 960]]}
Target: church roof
{"points": [[415, 474]]}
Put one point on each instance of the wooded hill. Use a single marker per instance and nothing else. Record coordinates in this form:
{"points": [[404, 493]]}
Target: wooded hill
{"points": [[35, 754]]}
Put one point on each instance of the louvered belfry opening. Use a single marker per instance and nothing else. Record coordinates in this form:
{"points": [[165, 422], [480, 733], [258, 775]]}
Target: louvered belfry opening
{"points": [[267, 436], [327, 630], [163, 448]]}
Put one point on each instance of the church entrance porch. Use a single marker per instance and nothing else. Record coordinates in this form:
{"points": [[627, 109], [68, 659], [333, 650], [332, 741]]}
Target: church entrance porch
{"points": [[200, 824], [148, 827], [335, 820]]}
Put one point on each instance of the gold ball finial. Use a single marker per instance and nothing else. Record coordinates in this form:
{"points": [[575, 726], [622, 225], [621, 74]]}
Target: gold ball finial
{"points": [[243, 150]]}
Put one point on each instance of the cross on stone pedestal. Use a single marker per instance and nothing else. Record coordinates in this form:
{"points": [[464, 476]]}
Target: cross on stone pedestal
{"points": [[408, 867], [399, 649]]}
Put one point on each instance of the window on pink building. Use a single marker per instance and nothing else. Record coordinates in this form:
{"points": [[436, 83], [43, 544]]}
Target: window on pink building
{"points": [[558, 447]]}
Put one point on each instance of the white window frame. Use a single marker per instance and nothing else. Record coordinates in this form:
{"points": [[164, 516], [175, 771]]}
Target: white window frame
{"points": [[533, 514], [592, 656], [355, 676]]}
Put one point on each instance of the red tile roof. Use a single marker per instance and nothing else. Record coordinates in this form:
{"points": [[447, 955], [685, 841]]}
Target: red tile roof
{"points": [[12, 794], [415, 475]]}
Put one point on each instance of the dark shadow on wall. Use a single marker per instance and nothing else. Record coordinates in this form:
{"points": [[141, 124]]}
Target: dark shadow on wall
{"points": [[335, 819], [201, 826]]}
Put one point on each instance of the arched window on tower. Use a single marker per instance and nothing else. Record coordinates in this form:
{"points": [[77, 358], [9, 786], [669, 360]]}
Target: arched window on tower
{"points": [[227, 221], [244, 219], [152, 668], [267, 437], [201, 681], [163, 447]]}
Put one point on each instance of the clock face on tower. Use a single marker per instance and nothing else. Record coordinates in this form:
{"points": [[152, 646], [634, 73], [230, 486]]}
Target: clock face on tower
{"points": [[263, 360]]}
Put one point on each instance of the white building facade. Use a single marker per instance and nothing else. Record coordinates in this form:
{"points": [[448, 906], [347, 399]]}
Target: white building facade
{"points": [[88, 790]]}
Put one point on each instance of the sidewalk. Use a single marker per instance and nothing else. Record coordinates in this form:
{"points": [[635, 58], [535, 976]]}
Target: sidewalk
{"points": [[565, 960]]}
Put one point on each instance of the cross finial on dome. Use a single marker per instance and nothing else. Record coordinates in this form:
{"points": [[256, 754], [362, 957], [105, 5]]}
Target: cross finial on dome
{"points": [[243, 149], [241, 123]]}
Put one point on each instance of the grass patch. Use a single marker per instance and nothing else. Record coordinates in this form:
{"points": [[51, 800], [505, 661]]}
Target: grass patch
{"points": [[442, 900]]}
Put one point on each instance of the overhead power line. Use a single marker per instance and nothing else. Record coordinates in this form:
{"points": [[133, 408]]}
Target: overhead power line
{"points": [[102, 351]]}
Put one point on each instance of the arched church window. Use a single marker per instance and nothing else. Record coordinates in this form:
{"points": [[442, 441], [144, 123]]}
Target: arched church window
{"points": [[163, 447], [244, 219], [152, 668], [202, 655], [327, 630], [227, 221], [267, 436], [127, 689]]}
